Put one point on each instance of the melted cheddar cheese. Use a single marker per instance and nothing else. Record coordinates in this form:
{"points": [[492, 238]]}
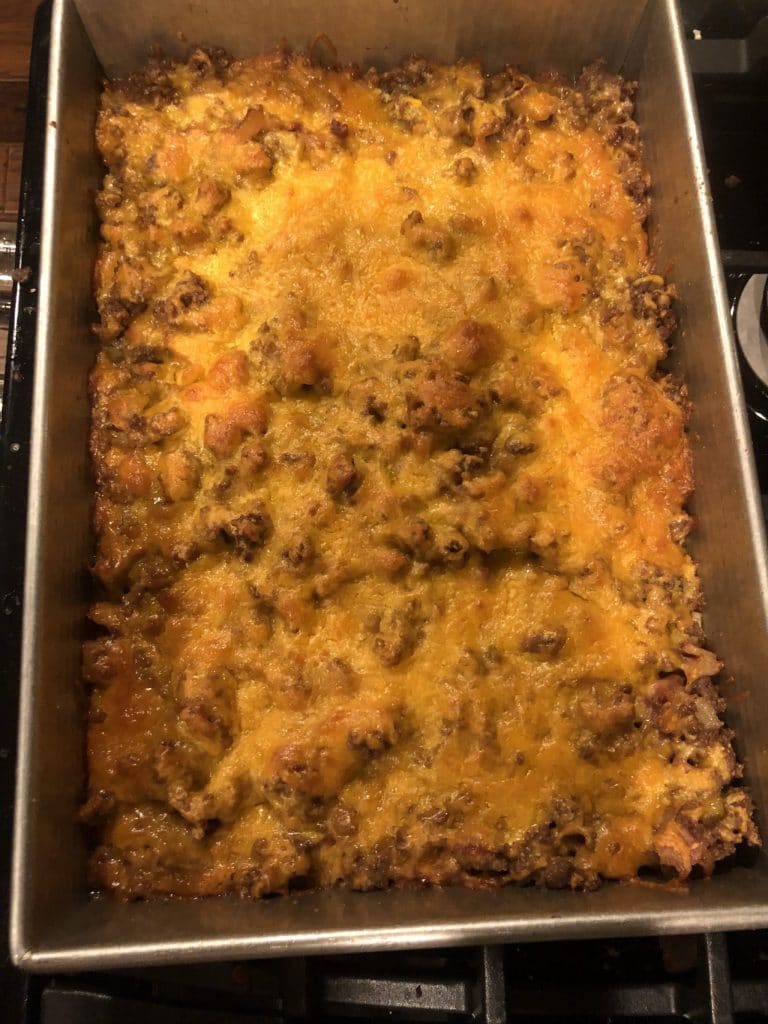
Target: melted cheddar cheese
{"points": [[390, 492]]}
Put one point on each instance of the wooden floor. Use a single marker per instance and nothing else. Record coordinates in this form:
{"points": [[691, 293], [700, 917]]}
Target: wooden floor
{"points": [[16, 17]]}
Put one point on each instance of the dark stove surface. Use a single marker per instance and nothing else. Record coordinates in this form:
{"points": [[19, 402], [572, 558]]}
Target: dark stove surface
{"points": [[685, 978], [733, 108], [730, 65], [648, 980]]}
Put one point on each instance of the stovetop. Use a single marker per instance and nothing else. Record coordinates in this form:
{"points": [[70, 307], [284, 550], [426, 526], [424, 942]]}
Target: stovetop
{"points": [[731, 79], [712, 977]]}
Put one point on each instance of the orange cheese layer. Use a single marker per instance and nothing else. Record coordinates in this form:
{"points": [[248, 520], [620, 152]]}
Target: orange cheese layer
{"points": [[390, 496]]}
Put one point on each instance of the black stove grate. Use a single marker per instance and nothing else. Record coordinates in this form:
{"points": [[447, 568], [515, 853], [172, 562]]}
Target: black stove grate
{"points": [[680, 978], [709, 978]]}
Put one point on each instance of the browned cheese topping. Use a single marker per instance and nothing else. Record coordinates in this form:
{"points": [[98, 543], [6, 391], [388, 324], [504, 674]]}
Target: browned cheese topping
{"points": [[390, 493]]}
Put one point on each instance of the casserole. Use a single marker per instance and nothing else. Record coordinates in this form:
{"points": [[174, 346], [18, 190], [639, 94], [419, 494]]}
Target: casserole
{"points": [[451, 371], [53, 922]]}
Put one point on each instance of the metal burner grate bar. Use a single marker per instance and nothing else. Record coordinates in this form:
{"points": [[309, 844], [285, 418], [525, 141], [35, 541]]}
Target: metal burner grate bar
{"points": [[750, 997], [481, 996], [396, 994], [614, 1001], [494, 996], [70, 1006], [716, 977], [466, 985], [452, 986]]}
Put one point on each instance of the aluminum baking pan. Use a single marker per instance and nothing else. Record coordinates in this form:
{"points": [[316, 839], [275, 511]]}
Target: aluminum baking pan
{"points": [[55, 923]]}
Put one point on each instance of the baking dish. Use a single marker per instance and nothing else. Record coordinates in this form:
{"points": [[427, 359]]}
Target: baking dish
{"points": [[55, 924]]}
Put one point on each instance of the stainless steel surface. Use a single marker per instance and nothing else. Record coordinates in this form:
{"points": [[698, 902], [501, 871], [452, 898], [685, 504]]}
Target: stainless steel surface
{"points": [[540, 34], [7, 253], [754, 342], [54, 923]]}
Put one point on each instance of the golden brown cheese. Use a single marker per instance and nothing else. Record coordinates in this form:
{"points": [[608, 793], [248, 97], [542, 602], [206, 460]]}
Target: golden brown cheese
{"points": [[390, 494]]}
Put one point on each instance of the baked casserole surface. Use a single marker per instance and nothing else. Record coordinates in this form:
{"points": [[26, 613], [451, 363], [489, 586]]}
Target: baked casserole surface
{"points": [[390, 491]]}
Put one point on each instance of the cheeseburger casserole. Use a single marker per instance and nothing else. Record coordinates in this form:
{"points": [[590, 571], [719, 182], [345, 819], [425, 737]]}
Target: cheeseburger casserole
{"points": [[390, 492]]}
